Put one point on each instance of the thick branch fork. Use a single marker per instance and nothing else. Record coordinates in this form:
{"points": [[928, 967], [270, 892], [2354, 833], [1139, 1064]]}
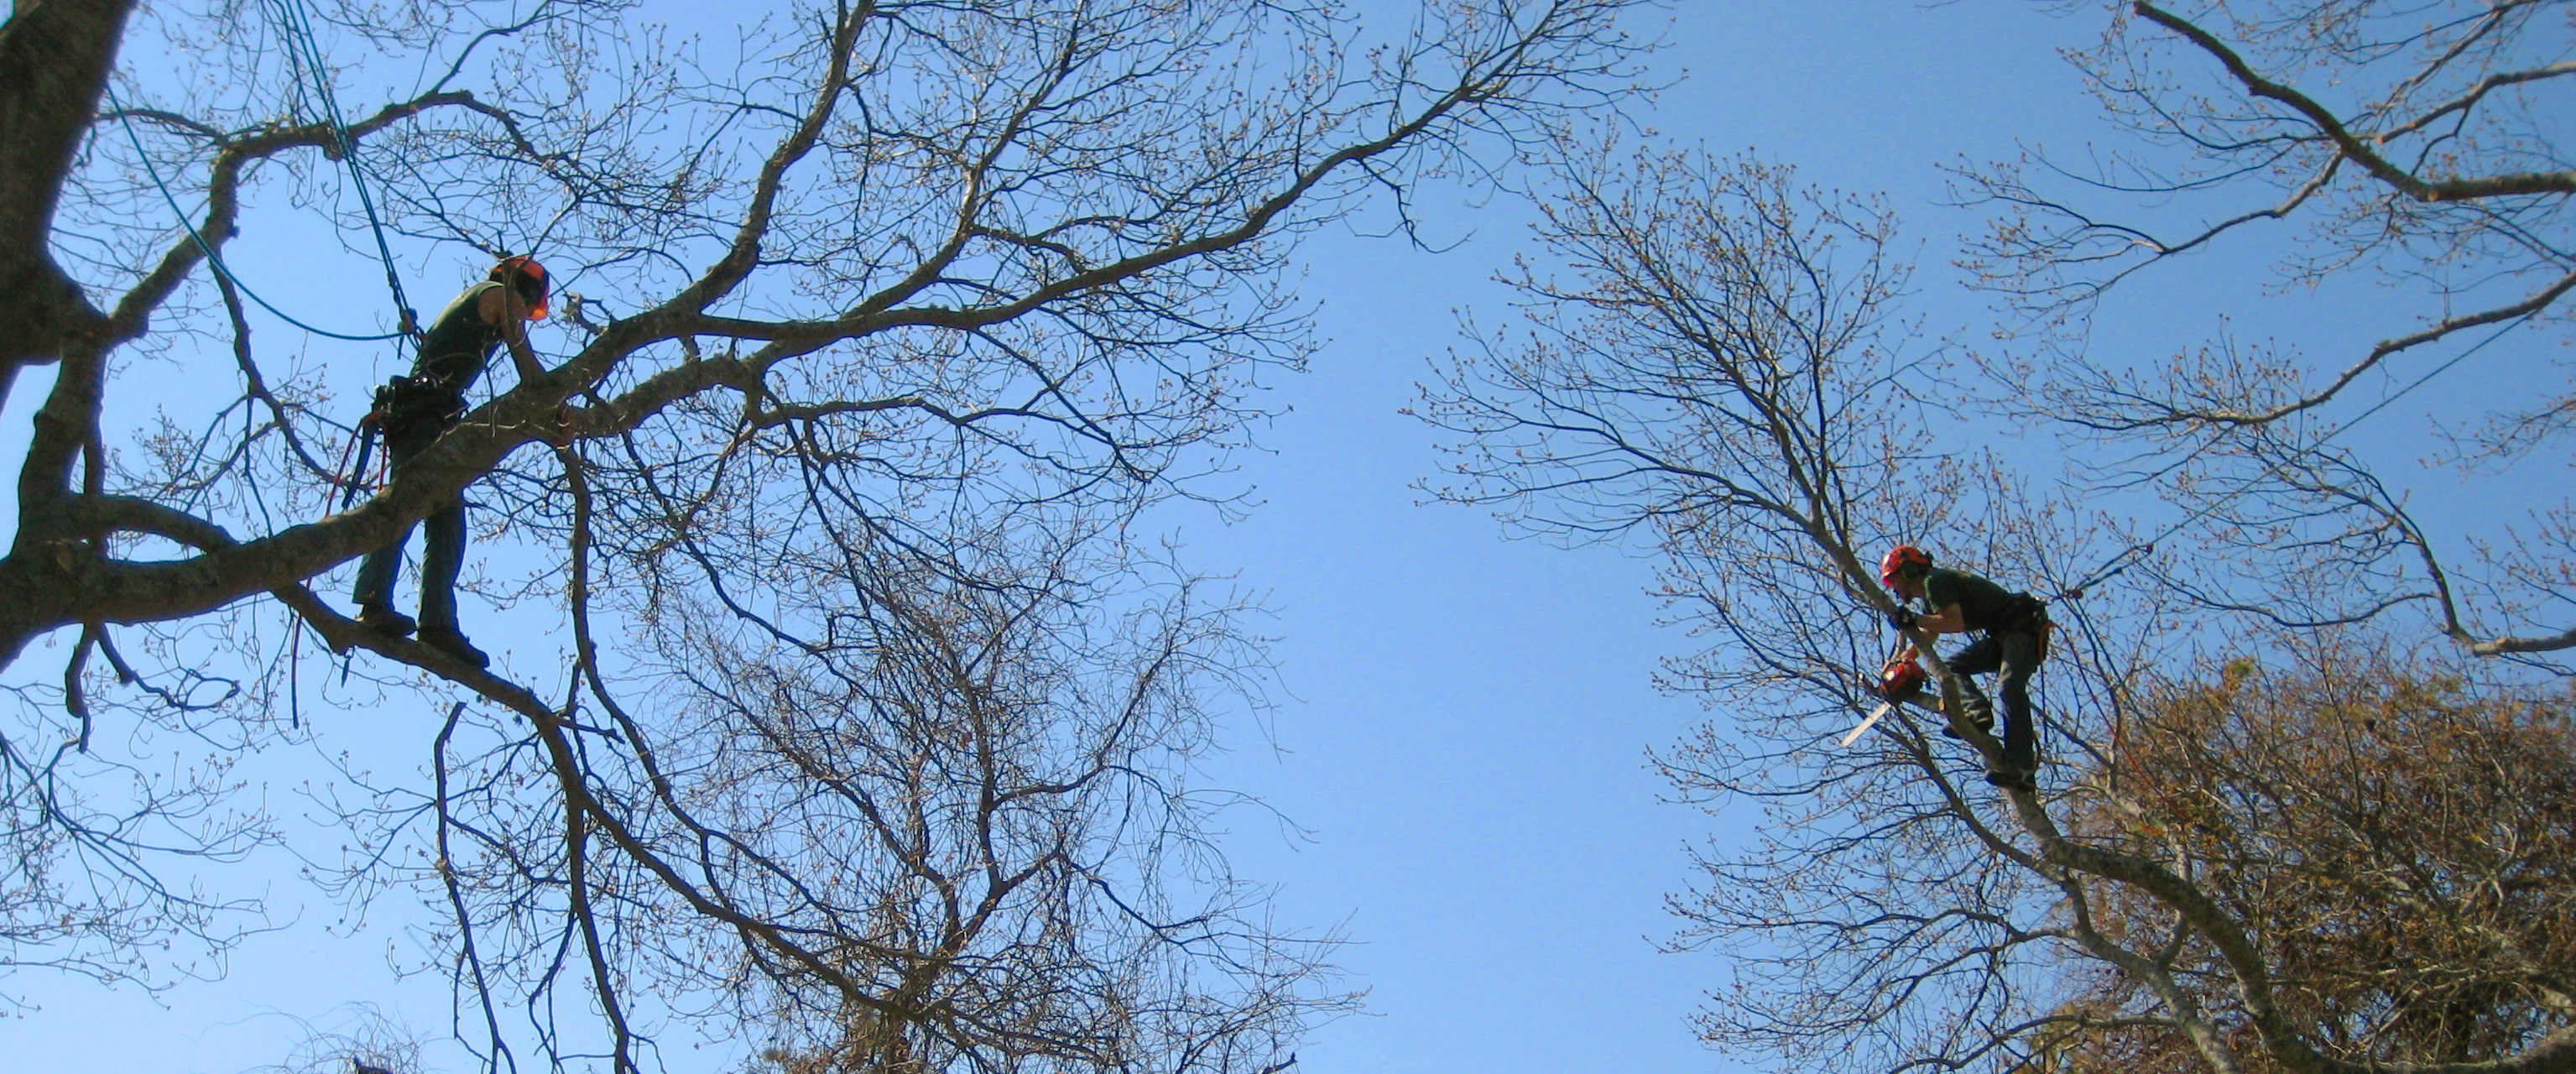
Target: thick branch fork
{"points": [[54, 62]]}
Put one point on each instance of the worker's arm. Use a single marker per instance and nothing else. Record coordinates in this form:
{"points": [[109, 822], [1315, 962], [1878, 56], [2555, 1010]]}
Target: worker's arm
{"points": [[1946, 621], [515, 333], [499, 306]]}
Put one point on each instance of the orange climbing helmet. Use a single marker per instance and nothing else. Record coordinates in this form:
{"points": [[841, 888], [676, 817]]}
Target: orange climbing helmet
{"points": [[524, 275], [1902, 560]]}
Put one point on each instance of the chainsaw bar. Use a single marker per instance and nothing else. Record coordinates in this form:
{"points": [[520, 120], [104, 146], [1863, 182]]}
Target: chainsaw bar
{"points": [[1932, 706], [1872, 721]]}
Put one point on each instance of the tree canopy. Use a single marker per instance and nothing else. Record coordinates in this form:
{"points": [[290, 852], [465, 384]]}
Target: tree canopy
{"points": [[2299, 811], [879, 327], [867, 725]]}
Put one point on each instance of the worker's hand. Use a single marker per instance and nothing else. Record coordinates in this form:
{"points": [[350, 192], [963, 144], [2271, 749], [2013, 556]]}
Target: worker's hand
{"points": [[1902, 618]]}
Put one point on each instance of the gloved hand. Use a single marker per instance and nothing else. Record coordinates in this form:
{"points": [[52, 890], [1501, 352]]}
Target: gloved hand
{"points": [[1902, 618]]}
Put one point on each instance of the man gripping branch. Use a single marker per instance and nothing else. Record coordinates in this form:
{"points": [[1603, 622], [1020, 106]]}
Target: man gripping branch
{"points": [[412, 412], [2012, 638]]}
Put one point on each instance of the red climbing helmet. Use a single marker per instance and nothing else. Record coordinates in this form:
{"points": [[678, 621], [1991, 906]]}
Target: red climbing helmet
{"points": [[1902, 559], [524, 275]]}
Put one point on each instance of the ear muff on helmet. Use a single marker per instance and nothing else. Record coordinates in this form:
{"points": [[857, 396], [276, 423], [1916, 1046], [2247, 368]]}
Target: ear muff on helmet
{"points": [[527, 278], [1903, 561]]}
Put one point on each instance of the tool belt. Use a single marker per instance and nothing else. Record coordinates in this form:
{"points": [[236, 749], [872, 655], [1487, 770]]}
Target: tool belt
{"points": [[415, 409], [2029, 615]]}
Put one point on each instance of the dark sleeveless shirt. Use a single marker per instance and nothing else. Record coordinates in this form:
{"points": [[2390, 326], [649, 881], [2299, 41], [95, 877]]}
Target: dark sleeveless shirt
{"points": [[1983, 604], [458, 345]]}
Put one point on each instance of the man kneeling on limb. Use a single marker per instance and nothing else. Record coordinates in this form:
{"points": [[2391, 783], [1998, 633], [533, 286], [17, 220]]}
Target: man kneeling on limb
{"points": [[412, 412], [2012, 638]]}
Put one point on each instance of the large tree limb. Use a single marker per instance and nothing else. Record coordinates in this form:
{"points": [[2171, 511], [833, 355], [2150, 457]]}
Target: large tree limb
{"points": [[54, 63], [2352, 145], [215, 577], [68, 423], [2380, 352]]}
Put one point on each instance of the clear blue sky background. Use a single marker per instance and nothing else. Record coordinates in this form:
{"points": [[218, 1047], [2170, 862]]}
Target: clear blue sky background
{"points": [[1466, 738]]}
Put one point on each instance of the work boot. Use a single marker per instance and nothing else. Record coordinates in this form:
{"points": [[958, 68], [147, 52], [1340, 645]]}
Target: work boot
{"points": [[1980, 712], [385, 621], [2006, 777], [447, 640]]}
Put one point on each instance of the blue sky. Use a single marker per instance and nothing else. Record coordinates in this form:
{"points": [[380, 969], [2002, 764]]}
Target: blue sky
{"points": [[1469, 715]]}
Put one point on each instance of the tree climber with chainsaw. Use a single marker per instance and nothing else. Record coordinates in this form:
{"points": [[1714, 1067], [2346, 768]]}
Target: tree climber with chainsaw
{"points": [[2012, 638], [413, 411]]}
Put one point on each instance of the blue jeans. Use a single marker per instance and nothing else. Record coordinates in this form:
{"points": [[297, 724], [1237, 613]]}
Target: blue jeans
{"points": [[2015, 654], [441, 559]]}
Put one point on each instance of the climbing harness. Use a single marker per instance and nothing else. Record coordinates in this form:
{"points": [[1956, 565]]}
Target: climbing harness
{"points": [[418, 407]]}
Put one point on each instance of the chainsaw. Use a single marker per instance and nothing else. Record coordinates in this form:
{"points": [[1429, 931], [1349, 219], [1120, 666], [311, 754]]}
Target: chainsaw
{"points": [[1902, 680]]}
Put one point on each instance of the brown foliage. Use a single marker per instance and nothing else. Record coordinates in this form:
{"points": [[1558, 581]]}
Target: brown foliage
{"points": [[2401, 847]]}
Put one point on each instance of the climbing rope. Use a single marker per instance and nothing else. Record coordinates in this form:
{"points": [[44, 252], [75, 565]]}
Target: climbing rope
{"points": [[305, 54], [304, 51], [2135, 554], [214, 259]]}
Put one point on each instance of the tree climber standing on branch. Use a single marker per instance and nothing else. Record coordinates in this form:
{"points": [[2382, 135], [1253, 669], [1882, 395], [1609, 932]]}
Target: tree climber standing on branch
{"points": [[413, 411], [2012, 638]]}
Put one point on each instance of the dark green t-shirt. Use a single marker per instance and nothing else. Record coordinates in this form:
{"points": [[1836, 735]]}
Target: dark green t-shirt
{"points": [[1983, 604], [459, 344]]}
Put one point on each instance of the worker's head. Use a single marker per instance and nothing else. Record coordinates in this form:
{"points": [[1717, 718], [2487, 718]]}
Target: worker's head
{"points": [[1903, 568], [526, 280]]}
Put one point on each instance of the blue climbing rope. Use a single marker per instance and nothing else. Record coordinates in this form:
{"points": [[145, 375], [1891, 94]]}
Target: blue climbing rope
{"points": [[295, 23], [214, 259]]}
